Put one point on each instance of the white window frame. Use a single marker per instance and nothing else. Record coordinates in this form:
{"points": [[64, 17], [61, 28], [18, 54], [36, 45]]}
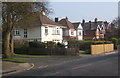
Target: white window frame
{"points": [[16, 32], [72, 32], [46, 30], [56, 31], [25, 33]]}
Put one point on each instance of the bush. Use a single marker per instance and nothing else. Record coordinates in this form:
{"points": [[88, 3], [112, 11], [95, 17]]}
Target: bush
{"points": [[50, 44], [24, 46], [37, 45], [42, 45], [115, 42], [22, 43], [85, 45], [73, 43], [59, 45]]}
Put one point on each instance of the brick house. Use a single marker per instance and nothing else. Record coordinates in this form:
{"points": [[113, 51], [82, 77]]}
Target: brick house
{"points": [[94, 30]]}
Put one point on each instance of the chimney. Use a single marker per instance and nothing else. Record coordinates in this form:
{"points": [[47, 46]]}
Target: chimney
{"points": [[66, 17], [56, 19], [43, 11], [96, 20], [90, 25], [83, 22]]}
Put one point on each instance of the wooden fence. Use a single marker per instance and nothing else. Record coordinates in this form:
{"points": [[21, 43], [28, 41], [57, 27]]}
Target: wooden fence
{"points": [[48, 51], [101, 48]]}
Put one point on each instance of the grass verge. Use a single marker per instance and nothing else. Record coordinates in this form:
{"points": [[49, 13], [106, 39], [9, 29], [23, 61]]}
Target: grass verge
{"points": [[84, 52], [14, 60], [40, 56]]}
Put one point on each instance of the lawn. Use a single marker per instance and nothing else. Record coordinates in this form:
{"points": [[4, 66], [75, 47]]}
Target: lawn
{"points": [[14, 60], [40, 56], [84, 52]]}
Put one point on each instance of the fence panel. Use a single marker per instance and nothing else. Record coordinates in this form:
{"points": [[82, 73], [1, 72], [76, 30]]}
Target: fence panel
{"points": [[48, 51], [102, 48]]}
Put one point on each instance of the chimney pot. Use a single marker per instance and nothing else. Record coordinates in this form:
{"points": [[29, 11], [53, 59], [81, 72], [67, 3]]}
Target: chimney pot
{"points": [[66, 17], [56, 19], [83, 21], [96, 20]]}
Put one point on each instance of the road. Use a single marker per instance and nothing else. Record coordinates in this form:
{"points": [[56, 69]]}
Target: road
{"points": [[103, 65]]}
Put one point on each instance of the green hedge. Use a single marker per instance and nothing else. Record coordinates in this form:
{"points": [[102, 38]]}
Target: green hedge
{"points": [[42, 45], [37, 45], [85, 45], [115, 42]]}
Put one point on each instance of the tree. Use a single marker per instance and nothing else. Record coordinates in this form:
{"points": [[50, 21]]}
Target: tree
{"points": [[114, 29], [12, 13]]}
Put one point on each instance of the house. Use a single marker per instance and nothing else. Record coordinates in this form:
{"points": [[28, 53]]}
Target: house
{"points": [[41, 28], [79, 30], [72, 30], [94, 30]]}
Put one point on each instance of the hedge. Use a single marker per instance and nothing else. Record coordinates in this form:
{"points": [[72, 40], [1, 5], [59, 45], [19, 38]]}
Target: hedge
{"points": [[85, 45], [115, 42], [43, 45]]}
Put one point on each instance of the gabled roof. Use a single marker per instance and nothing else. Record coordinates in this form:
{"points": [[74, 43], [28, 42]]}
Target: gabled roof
{"points": [[38, 19], [45, 20], [94, 25], [65, 22], [76, 24]]}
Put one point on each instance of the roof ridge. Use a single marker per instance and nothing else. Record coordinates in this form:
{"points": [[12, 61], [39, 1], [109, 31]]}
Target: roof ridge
{"points": [[67, 22], [48, 20]]}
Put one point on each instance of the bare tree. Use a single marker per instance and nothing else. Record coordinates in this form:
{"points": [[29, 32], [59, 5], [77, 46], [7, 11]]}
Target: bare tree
{"points": [[12, 13]]}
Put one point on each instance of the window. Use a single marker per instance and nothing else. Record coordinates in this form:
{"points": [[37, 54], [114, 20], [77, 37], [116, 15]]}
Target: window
{"points": [[72, 32], [80, 33], [46, 30], [16, 32], [35, 40], [56, 41], [25, 33], [56, 31]]}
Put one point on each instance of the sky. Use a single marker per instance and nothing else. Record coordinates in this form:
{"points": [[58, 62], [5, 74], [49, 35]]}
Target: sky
{"points": [[77, 11]]}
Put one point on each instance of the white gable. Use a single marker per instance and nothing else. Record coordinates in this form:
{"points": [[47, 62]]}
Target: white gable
{"points": [[80, 27]]}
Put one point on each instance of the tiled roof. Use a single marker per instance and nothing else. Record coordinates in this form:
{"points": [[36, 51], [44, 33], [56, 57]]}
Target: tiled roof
{"points": [[94, 25], [65, 22], [76, 24], [90, 33], [37, 19], [45, 20]]}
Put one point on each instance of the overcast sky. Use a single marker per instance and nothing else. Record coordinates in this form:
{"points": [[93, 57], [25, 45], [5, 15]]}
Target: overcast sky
{"points": [[76, 11]]}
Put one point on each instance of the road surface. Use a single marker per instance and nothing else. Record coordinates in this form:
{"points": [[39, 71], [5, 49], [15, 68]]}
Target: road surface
{"points": [[103, 65]]}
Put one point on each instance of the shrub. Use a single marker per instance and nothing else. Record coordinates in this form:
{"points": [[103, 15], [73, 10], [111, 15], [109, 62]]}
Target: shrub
{"points": [[37, 45], [59, 45], [42, 45], [73, 43], [24, 46], [85, 45], [50, 44], [22, 43], [115, 42]]}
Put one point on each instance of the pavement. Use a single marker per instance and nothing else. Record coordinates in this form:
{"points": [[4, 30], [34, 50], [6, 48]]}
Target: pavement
{"points": [[101, 54], [12, 67]]}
